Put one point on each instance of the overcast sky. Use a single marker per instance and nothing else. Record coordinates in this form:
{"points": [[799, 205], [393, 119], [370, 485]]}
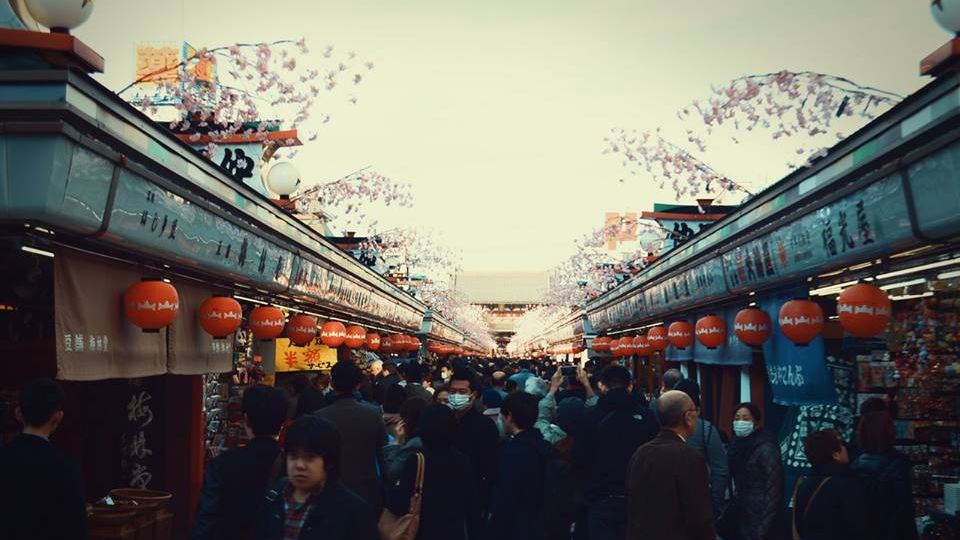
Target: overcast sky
{"points": [[495, 110]]}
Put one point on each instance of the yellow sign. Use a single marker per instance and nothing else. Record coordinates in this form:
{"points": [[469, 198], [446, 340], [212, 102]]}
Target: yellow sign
{"points": [[313, 357], [158, 63]]}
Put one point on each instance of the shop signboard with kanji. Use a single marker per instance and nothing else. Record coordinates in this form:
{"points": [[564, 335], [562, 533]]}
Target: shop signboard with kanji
{"points": [[313, 357], [869, 222]]}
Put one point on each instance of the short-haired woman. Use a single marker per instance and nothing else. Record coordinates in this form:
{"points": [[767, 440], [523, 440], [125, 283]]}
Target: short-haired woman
{"points": [[887, 475], [829, 503]]}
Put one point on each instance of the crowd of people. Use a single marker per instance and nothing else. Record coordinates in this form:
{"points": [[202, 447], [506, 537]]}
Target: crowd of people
{"points": [[508, 450]]}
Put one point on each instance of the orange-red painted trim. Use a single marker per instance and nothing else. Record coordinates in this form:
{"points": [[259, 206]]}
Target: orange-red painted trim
{"points": [[941, 59], [280, 136], [59, 49]]}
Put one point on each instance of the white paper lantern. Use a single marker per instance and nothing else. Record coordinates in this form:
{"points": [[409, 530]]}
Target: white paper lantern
{"points": [[947, 14], [60, 14], [283, 178]]}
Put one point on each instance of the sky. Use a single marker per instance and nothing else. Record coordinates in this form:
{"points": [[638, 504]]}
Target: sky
{"points": [[495, 111]]}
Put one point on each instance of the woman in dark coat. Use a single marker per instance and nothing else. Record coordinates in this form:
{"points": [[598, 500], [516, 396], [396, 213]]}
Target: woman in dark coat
{"points": [[757, 472], [449, 507], [830, 502], [886, 473]]}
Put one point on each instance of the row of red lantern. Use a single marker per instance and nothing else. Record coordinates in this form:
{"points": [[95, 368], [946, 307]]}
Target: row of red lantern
{"points": [[566, 348], [152, 305], [444, 349], [863, 310]]}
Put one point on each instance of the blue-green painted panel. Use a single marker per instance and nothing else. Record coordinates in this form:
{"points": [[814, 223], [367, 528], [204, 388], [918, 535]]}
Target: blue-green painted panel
{"points": [[935, 185], [151, 218], [868, 223]]}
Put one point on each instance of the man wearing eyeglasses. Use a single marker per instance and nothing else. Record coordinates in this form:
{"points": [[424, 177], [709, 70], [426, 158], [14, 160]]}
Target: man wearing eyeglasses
{"points": [[668, 489]]}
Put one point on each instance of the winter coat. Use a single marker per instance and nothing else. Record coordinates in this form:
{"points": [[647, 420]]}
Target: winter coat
{"points": [[707, 440], [233, 485], [477, 437], [337, 514], [668, 494], [610, 433], [41, 492], [448, 509], [363, 437], [839, 511], [889, 485], [528, 473], [396, 456], [758, 481]]}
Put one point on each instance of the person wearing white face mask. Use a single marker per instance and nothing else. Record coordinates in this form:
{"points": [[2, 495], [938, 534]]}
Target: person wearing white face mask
{"points": [[475, 435], [758, 482]]}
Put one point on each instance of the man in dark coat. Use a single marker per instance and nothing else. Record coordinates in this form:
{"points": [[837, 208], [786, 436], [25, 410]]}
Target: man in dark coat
{"points": [[668, 490], [41, 492], [527, 476], [384, 379], [236, 481], [413, 375], [363, 435], [475, 435], [610, 433]]}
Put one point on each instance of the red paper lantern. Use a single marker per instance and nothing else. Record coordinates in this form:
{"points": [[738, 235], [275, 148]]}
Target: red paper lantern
{"points": [[711, 331], [387, 344], [266, 322], [413, 343], [642, 346], [864, 310], [752, 326], [680, 334], [151, 305], [626, 346], [658, 338], [356, 337], [333, 334], [220, 316], [373, 341], [801, 321], [301, 329], [615, 347], [601, 344]]}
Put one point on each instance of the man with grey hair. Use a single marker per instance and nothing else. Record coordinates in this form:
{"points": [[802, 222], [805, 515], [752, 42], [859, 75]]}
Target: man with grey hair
{"points": [[668, 381], [668, 491]]}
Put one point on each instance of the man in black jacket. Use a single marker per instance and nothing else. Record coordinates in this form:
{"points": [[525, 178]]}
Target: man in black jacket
{"points": [[235, 481], [41, 492], [610, 433], [527, 476], [475, 435]]}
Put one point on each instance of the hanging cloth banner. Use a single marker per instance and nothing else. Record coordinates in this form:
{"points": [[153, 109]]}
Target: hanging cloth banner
{"points": [[733, 352], [798, 375], [192, 351], [95, 341]]}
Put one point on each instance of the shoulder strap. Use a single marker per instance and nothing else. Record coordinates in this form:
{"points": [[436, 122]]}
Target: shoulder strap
{"points": [[275, 470], [706, 438], [806, 509], [421, 465]]}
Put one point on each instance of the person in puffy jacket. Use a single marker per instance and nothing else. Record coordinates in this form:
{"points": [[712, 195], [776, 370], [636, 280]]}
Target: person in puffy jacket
{"points": [[758, 481], [830, 502], [311, 503], [886, 473]]}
